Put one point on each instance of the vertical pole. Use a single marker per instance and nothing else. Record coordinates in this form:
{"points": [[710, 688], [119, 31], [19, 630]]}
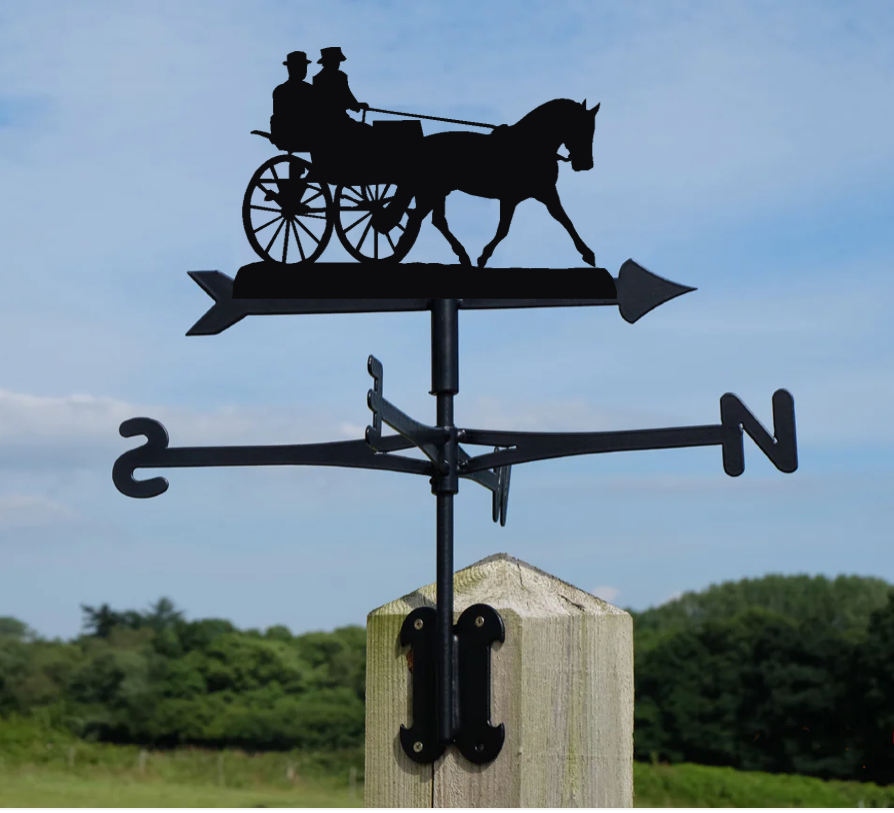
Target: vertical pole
{"points": [[444, 386]]}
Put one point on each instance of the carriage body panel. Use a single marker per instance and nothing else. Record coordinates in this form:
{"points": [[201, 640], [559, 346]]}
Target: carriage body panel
{"points": [[382, 158]]}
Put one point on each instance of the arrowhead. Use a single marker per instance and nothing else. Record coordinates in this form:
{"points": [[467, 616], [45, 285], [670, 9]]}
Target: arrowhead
{"points": [[224, 312], [639, 291]]}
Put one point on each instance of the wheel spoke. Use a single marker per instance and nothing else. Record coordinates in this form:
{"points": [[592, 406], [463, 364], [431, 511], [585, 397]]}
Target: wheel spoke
{"points": [[266, 208], [267, 250], [375, 244], [384, 192], [393, 249], [312, 237], [285, 250], [267, 223], [352, 199], [363, 237], [273, 170], [358, 221], [298, 240], [401, 227], [305, 202]]}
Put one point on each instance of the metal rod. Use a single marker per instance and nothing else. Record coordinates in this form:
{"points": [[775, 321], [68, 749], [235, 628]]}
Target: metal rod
{"points": [[433, 118], [444, 386]]}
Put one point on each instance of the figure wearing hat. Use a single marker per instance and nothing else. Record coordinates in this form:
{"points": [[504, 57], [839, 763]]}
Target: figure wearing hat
{"points": [[293, 101], [334, 95]]}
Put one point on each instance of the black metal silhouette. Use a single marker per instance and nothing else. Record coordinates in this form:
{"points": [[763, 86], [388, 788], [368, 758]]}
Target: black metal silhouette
{"points": [[636, 291], [377, 170], [452, 704]]}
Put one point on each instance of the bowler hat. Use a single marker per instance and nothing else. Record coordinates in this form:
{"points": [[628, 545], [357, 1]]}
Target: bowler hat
{"points": [[297, 56], [331, 53]]}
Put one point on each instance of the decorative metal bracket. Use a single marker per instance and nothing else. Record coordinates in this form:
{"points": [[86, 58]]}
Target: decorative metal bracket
{"points": [[478, 628]]}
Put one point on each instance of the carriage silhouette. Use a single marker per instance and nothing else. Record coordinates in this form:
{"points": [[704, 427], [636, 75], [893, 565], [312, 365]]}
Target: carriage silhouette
{"points": [[293, 193], [376, 181]]}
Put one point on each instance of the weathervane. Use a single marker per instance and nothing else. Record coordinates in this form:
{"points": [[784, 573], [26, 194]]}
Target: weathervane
{"points": [[451, 662]]}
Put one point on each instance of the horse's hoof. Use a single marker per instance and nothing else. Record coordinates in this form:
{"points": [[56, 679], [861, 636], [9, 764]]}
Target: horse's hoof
{"points": [[589, 258], [481, 261]]}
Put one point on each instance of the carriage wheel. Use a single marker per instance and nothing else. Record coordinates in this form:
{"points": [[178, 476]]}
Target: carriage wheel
{"points": [[286, 212], [354, 207]]}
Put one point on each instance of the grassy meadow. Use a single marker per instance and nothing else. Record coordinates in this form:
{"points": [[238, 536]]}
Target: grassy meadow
{"points": [[69, 773]]}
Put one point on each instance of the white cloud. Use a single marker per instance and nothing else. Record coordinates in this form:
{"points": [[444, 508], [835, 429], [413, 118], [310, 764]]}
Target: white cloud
{"points": [[18, 511], [81, 431], [608, 594]]}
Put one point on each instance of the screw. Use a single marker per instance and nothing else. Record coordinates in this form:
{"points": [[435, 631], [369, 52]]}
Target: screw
{"points": [[479, 622], [417, 747], [418, 624]]}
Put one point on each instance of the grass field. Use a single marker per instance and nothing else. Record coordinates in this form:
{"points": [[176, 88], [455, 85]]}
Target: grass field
{"points": [[43, 788], [75, 774]]}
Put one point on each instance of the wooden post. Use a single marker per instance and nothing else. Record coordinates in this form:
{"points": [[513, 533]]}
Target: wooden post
{"points": [[562, 685]]}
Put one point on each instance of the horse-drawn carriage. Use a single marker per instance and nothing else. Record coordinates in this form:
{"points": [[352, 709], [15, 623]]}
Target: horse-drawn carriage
{"points": [[377, 178], [292, 194]]}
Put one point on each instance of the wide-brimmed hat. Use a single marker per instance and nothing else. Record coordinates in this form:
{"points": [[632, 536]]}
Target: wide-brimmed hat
{"points": [[331, 53], [297, 56]]}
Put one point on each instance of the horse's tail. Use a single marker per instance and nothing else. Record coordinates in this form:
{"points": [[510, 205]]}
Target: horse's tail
{"points": [[388, 217]]}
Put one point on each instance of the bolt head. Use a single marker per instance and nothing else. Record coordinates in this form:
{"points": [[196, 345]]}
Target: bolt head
{"points": [[418, 625], [479, 622], [417, 747]]}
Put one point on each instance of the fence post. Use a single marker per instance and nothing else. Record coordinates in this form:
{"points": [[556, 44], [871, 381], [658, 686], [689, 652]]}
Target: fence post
{"points": [[562, 683]]}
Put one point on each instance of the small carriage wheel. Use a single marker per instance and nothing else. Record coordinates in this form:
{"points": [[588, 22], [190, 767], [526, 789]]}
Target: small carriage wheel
{"points": [[353, 210], [286, 211]]}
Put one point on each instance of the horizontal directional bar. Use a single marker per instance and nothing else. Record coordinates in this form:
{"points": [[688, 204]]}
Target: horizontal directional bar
{"points": [[735, 421], [356, 454], [544, 446], [155, 454], [265, 289]]}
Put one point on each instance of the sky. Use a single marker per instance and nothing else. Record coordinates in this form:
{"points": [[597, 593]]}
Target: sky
{"points": [[743, 148]]}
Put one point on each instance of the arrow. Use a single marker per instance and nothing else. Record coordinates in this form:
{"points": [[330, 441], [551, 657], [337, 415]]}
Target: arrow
{"points": [[636, 291]]}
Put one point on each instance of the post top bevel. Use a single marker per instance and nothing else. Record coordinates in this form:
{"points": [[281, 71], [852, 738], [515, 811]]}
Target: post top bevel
{"points": [[507, 583]]}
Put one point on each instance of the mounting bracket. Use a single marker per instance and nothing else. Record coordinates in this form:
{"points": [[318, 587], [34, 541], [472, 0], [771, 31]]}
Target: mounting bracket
{"points": [[476, 738]]}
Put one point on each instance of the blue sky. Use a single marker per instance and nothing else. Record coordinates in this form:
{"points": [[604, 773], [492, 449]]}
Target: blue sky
{"points": [[741, 147]]}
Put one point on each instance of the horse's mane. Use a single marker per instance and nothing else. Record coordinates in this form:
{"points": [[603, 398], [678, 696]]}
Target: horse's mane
{"points": [[547, 110]]}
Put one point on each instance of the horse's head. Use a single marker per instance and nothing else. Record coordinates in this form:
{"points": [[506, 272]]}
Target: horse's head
{"points": [[579, 138]]}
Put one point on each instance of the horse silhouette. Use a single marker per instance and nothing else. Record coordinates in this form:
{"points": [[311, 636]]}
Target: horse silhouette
{"points": [[511, 164]]}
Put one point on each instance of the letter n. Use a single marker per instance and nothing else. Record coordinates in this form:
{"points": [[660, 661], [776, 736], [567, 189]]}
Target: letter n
{"points": [[781, 447]]}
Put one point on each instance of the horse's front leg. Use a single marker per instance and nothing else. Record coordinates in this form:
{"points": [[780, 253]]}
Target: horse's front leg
{"points": [[551, 200], [439, 221], [507, 209]]}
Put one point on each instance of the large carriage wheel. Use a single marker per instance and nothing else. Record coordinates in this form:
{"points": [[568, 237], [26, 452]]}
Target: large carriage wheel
{"points": [[286, 211], [353, 210]]}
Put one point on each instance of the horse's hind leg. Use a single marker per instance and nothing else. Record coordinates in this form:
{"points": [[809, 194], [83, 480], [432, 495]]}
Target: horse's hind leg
{"points": [[507, 209], [439, 221]]}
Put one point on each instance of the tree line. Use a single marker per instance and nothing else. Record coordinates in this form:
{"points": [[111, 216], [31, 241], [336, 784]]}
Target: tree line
{"points": [[785, 674]]}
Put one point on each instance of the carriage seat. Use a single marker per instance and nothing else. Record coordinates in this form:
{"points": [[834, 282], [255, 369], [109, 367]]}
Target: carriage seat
{"points": [[286, 142]]}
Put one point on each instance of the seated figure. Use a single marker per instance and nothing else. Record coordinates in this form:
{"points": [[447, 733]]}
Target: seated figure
{"points": [[294, 108], [341, 134]]}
